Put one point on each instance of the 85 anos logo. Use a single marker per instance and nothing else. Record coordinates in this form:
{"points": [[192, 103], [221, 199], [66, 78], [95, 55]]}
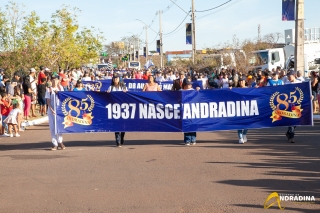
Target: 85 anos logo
{"points": [[78, 112], [286, 105]]}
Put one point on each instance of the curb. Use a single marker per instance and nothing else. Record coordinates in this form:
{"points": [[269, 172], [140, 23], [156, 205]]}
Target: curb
{"points": [[35, 122]]}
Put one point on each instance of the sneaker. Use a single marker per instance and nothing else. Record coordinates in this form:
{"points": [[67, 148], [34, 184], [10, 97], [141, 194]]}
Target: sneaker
{"points": [[291, 140], [187, 144], [17, 135], [5, 135], [288, 137], [193, 143], [54, 148], [62, 146], [245, 138], [11, 135], [241, 141]]}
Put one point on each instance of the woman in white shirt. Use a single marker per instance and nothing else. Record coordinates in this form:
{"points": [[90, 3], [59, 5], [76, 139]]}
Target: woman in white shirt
{"points": [[117, 86]]}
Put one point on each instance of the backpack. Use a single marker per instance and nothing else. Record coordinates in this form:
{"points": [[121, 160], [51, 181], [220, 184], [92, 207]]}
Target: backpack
{"points": [[212, 82]]}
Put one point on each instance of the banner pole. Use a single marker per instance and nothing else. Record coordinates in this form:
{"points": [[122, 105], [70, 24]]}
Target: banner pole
{"points": [[55, 115]]}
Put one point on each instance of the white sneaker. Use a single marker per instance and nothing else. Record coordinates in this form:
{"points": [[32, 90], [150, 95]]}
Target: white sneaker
{"points": [[245, 138], [11, 135], [241, 141], [17, 135], [5, 135]]}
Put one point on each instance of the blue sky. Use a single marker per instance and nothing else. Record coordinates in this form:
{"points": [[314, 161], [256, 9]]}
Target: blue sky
{"points": [[116, 19]]}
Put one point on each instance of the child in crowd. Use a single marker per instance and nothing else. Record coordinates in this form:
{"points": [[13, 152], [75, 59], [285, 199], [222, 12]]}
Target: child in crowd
{"points": [[41, 96], [5, 105], [18, 97], [13, 119]]}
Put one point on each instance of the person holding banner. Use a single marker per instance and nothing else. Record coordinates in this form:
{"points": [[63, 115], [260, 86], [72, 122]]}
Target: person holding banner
{"points": [[151, 85], [291, 80], [117, 86], [190, 138], [242, 133], [52, 102]]}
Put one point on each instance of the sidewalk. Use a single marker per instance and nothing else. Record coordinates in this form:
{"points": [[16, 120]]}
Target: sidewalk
{"points": [[35, 121]]}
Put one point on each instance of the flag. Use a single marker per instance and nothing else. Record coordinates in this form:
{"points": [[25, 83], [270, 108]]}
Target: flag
{"points": [[149, 64], [158, 46], [288, 7], [188, 33], [110, 66]]}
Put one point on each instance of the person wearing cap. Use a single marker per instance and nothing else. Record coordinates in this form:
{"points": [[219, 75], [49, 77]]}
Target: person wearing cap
{"points": [[33, 83], [117, 86], [190, 138], [275, 81], [242, 133], [291, 80], [52, 102], [159, 77], [179, 83]]}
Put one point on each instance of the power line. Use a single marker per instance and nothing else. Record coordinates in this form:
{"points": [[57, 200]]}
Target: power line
{"points": [[178, 25], [234, 2], [183, 27], [201, 11], [153, 39], [153, 20]]}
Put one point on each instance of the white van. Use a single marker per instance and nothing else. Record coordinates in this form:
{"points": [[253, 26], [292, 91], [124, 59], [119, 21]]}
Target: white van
{"points": [[134, 65]]}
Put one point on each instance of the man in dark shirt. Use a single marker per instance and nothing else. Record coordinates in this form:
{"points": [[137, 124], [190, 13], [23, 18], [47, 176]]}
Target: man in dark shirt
{"points": [[41, 88]]}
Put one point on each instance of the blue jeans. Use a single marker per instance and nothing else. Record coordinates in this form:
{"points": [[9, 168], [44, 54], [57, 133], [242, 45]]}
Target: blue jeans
{"points": [[190, 137], [5, 125], [242, 132]]}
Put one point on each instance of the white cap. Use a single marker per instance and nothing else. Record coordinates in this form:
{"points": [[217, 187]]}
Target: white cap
{"points": [[32, 70], [47, 69]]}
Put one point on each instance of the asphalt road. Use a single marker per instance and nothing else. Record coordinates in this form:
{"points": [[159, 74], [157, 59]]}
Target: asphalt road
{"points": [[155, 172]]}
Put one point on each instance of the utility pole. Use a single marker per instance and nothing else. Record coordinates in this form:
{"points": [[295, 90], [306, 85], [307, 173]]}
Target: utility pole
{"points": [[194, 50], [161, 50], [299, 37], [259, 33], [147, 44]]}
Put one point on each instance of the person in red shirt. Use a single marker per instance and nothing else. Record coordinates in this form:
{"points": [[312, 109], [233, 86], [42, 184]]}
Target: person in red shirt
{"points": [[5, 105], [146, 75], [41, 74], [64, 80]]}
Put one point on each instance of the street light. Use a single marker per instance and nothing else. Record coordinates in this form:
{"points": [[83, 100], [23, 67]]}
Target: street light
{"points": [[134, 46]]}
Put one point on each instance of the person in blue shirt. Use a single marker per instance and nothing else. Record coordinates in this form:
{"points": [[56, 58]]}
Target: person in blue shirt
{"points": [[79, 86], [275, 81]]}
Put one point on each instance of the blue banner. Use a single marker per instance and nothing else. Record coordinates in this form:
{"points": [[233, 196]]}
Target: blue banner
{"points": [[184, 111], [134, 85], [288, 12], [188, 33]]}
